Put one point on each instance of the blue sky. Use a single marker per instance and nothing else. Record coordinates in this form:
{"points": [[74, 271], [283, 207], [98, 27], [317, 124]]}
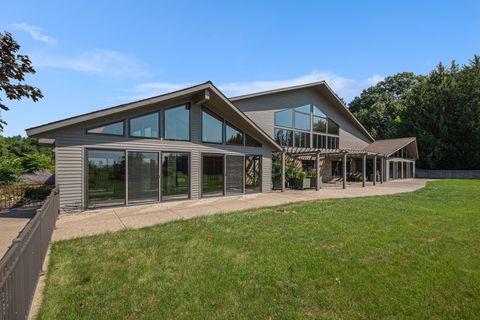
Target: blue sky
{"points": [[95, 54]]}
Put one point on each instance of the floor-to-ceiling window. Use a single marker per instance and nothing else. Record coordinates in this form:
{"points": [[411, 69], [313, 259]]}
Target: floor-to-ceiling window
{"points": [[175, 176], [212, 175], [253, 174], [234, 174], [143, 174], [106, 178]]}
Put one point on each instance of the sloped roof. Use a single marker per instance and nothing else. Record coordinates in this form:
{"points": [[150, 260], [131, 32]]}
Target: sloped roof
{"points": [[325, 90], [144, 102], [390, 146]]}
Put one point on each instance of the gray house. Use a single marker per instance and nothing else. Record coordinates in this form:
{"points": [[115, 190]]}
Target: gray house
{"points": [[196, 142]]}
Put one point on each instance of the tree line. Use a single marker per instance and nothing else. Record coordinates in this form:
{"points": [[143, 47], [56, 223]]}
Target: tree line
{"points": [[441, 109]]}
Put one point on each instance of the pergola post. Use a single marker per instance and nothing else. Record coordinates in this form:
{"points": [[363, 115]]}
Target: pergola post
{"points": [[413, 169], [382, 167], [364, 169], [374, 169], [401, 170], [319, 176], [283, 172], [344, 164]]}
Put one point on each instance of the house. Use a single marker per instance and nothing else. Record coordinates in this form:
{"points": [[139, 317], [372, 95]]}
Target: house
{"points": [[196, 142]]}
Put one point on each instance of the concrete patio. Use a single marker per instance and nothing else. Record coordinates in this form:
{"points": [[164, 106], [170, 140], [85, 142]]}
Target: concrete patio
{"points": [[12, 223], [115, 219]]}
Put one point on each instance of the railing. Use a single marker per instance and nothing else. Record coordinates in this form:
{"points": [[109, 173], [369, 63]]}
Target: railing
{"points": [[21, 266], [23, 195]]}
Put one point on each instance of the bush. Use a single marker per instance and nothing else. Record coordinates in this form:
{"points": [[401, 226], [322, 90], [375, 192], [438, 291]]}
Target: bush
{"points": [[37, 162], [10, 169]]}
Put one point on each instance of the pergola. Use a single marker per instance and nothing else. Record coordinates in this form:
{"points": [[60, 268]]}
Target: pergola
{"points": [[343, 153]]}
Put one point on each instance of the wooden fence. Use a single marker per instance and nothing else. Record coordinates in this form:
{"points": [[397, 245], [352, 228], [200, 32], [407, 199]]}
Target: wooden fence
{"points": [[21, 266], [23, 195]]}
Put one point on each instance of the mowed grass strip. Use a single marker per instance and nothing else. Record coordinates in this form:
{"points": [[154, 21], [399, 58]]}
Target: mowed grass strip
{"points": [[412, 255]]}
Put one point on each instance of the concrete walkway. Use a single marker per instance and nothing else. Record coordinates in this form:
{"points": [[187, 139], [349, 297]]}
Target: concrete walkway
{"points": [[12, 223], [115, 219]]}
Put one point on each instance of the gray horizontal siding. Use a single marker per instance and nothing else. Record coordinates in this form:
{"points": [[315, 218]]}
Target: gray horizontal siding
{"points": [[71, 144]]}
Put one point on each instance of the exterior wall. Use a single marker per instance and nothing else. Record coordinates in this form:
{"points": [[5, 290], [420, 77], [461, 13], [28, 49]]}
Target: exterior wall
{"points": [[72, 142], [261, 110]]}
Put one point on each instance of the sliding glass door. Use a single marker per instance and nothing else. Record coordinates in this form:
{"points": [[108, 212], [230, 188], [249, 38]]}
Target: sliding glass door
{"points": [[175, 176], [234, 174], [106, 178], [212, 175], [143, 176], [253, 174]]}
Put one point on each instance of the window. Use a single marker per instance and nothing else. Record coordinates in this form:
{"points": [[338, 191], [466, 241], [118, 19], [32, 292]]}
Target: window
{"points": [[114, 129], [302, 139], [145, 126], [284, 118], [317, 112], [212, 127], [106, 178], [175, 175], [304, 109], [284, 137], [142, 176], [302, 121], [305, 121], [177, 123], [212, 175], [319, 141], [333, 143], [251, 142], [333, 128], [319, 124], [233, 135]]}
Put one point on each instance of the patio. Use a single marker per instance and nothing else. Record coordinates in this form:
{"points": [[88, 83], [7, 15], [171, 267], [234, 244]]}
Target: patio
{"points": [[115, 219]]}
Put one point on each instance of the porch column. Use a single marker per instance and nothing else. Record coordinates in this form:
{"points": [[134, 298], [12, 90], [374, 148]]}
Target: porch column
{"points": [[283, 172], [374, 169], [344, 164], [364, 169], [382, 167], [319, 176]]}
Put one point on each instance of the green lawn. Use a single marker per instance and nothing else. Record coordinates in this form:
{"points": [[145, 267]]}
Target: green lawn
{"points": [[414, 255]]}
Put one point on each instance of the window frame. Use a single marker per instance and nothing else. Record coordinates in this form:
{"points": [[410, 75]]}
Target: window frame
{"points": [[218, 117], [106, 124], [158, 112], [162, 199], [163, 129]]}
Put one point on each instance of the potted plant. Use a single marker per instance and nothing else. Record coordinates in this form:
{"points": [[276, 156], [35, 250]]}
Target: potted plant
{"points": [[301, 181], [277, 174], [313, 179]]}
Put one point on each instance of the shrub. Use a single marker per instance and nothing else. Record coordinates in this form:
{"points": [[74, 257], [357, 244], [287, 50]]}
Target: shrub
{"points": [[37, 162], [10, 169]]}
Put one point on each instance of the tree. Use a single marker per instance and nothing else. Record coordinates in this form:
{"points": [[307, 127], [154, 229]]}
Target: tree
{"points": [[34, 162], [13, 68], [380, 107]]}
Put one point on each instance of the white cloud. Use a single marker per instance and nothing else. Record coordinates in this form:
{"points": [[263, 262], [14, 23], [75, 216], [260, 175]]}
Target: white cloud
{"points": [[100, 62], [35, 32], [344, 87]]}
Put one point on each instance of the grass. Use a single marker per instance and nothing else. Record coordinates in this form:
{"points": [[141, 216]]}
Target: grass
{"points": [[414, 255]]}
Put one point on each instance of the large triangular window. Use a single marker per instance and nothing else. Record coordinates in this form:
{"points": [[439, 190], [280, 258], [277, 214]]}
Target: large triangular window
{"points": [[111, 129]]}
